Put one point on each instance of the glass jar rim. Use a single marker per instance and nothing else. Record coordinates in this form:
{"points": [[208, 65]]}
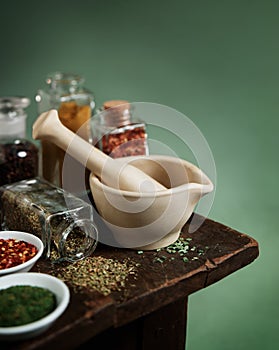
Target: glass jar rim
{"points": [[14, 102], [60, 78], [90, 232]]}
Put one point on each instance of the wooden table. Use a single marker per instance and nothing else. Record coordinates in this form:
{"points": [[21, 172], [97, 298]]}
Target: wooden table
{"points": [[151, 311]]}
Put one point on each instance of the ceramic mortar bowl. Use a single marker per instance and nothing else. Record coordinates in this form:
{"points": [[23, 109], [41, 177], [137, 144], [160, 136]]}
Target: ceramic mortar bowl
{"points": [[150, 220]]}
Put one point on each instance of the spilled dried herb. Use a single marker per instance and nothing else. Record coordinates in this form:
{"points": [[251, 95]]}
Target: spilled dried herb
{"points": [[182, 249], [96, 274]]}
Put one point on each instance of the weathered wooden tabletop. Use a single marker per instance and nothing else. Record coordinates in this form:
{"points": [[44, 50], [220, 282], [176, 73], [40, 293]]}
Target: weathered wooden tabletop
{"points": [[161, 279]]}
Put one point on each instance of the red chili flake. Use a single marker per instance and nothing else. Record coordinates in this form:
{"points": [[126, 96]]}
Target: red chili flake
{"points": [[14, 252], [127, 141]]}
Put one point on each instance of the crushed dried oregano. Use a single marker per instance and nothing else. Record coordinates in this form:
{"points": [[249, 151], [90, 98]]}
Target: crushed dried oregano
{"points": [[96, 273], [181, 248]]}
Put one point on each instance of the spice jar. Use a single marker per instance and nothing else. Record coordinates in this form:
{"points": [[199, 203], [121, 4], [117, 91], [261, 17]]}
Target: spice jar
{"points": [[18, 156], [117, 132], [63, 221], [75, 105]]}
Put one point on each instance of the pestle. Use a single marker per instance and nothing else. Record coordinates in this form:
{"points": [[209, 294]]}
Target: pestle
{"points": [[125, 177]]}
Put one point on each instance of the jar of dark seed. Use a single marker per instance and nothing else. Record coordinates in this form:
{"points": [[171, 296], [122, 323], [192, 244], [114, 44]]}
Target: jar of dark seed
{"points": [[63, 221], [18, 156]]}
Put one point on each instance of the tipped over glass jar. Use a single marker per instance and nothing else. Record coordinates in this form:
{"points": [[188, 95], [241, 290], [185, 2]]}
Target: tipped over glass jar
{"points": [[63, 221]]}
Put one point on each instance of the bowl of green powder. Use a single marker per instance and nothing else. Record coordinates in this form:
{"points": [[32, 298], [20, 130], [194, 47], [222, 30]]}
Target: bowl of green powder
{"points": [[30, 303]]}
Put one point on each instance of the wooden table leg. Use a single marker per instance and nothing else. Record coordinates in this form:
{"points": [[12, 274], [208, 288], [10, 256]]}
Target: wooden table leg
{"points": [[163, 329], [166, 327]]}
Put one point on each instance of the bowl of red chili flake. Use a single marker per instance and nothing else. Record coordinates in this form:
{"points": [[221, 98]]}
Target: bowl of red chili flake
{"points": [[18, 251]]}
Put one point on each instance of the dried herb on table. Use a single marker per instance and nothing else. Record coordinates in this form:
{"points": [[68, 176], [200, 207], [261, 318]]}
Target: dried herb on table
{"points": [[96, 274], [181, 249]]}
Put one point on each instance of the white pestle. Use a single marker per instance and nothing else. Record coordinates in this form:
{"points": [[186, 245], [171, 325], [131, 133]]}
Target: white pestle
{"points": [[125, 177]]}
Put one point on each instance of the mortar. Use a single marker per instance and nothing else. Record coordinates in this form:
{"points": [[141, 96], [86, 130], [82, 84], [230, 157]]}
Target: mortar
{"points": [[150, 220], [143, 201]]}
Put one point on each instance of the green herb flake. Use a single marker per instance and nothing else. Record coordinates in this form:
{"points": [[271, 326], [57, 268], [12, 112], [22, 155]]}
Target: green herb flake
{"points": [[180, 248], [23, 304]]}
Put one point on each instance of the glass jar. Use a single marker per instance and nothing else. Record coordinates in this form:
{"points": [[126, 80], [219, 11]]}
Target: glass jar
{"points": [[75, 105], [18, 156], [117, 132], [62, 221]]}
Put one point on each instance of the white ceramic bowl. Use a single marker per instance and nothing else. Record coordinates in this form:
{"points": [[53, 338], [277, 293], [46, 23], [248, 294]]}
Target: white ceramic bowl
{"points": [[29, 238], [150, 220], [33, 329]]}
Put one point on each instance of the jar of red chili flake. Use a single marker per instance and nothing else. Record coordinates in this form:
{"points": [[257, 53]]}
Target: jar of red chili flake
{"points": [[18, 156], [117, 132]]}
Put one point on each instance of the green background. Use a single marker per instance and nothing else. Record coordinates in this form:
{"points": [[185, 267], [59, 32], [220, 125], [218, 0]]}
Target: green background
{"points": [[216, 62]]}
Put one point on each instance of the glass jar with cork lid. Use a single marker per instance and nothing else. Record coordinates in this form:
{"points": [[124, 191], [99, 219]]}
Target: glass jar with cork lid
{"points": [[117, 132], [75, 104]]}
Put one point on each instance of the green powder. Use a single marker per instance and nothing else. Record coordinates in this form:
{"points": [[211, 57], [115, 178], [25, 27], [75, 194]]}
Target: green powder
{"points": [[22, 304]]}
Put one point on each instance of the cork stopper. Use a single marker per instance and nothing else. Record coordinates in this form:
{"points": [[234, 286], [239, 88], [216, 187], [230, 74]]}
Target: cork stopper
{"points": [[119, 104]]}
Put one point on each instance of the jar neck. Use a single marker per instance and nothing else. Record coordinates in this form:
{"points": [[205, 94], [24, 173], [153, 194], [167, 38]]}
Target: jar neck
{"points": [[13, 117], [12, 125], [113, 118], [77, 240], [65, 82], [115, 113]]}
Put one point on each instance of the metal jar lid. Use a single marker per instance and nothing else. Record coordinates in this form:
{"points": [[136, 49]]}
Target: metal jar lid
{"points": [[12, 116]]}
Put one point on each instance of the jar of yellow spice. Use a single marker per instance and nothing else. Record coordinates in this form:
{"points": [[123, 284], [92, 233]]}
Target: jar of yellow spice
{"points": [[75, 104]]}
